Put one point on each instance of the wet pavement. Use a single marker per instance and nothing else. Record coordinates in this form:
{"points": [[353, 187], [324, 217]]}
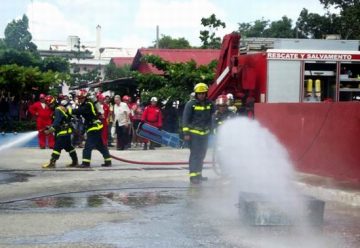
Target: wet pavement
{"points": [[10, 177], [139, 206]]}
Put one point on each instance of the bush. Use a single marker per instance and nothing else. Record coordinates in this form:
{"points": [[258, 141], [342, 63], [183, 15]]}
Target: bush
{"points": [[21, 126]]}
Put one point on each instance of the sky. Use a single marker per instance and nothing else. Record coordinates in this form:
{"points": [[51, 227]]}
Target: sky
{"points": [[132, 23]]}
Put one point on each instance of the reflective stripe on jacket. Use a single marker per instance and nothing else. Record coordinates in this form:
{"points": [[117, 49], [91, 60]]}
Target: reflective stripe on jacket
{"points": [[62, 121], [197, 117]]}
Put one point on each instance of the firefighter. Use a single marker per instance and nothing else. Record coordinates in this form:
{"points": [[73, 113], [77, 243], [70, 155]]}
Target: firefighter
{"points": [[62, 129], [93, 129], [231, 102], [43, 116], [196, 128], [222, 113]]}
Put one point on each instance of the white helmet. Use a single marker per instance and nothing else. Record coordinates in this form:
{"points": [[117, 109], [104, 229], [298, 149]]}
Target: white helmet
{"points": [[64, 102], [230, 96], [153, 99]]}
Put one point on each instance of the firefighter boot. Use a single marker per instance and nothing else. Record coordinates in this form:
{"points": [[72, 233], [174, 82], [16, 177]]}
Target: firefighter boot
{"points": [[74, 163], [145, 146], [107, 163], [84, 165], [49, 165], [195, 180], [74, 158]]}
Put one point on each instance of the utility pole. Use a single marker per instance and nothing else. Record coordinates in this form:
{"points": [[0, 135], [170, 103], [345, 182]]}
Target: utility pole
{"points": [[157, 37]]}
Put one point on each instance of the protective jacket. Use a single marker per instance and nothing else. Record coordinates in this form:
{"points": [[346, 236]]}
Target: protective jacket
{"points": [[219, 118], [88, 111], [62, 121], [197, 117]]}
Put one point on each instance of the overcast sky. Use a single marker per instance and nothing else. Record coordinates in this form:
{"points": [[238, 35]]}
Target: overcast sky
{"points": [[132, 23]]}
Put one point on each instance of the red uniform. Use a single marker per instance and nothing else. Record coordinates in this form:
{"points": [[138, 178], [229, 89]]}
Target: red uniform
{"points": [[44, 118], [152, 115]]}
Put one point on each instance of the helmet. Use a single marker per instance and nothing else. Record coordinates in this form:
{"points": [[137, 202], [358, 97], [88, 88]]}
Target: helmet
{"points": [[81, 94], [100, 96], [201, 88], [230, 96], [125, 98], [153, 99], [64, 102], [42, 96], [222, 100], [49, 99]]}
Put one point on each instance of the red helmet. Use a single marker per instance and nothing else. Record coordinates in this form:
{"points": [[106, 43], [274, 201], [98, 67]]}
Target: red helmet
{"points": [[125, 98], [81, 94], [100, 96], [49, 100], [42, 96], [222, 100]]}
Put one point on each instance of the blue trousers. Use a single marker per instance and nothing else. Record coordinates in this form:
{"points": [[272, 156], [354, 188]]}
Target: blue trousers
{"points": [[94, 141], [198, 146]]}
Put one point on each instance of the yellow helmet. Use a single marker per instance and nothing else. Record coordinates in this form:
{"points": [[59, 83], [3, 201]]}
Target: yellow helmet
{"points": [[201, 88]]}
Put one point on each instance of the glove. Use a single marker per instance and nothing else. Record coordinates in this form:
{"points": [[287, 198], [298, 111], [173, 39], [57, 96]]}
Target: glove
{"points": [[140, 125], [49, 129]]}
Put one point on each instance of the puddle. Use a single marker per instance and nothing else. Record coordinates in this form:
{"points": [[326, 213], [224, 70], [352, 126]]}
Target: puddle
{"points": [[96, 200], [8, 177]]}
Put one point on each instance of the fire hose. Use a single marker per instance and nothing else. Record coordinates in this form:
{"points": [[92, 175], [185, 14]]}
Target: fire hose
{"points": [[153, 163]]}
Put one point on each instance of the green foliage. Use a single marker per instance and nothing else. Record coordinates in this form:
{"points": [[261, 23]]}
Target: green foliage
{"points": [[23, 126], [281, 29], [208, 37], [112, 72], [255, 30], [264, 28], [19, 79], [178, 79], [167, 42], [346, 24], [312, 25], [18, 37], [21, 58], [55, 63]]}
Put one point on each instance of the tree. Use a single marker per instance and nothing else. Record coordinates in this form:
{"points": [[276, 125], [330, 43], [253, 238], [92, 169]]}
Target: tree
{"points": [[312, 25], [349, 19], [112, 72], [255, 30], [178, 79], [208, 37], [280, 29], [263, 28], [21, 58], [20, 79], [55, 63], [168, 42], [18, 37]]}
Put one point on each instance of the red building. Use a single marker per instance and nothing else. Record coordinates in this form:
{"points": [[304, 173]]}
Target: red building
{"points": [[200, 56]]}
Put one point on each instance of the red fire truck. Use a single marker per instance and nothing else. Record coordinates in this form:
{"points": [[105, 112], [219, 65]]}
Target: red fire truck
{"points": [[310, 99]]}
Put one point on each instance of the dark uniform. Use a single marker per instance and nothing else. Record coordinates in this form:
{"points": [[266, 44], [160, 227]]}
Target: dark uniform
{"points": [[219, 118], [93, 129], [62, 128], [197, 123]]}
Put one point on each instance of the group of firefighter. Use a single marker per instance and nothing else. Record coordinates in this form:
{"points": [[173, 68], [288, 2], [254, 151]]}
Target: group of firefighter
{"points": [[56, 125], [200, 117]]}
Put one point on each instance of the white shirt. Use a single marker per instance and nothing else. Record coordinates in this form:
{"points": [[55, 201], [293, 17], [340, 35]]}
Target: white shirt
{"points": [[121, 114]]}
